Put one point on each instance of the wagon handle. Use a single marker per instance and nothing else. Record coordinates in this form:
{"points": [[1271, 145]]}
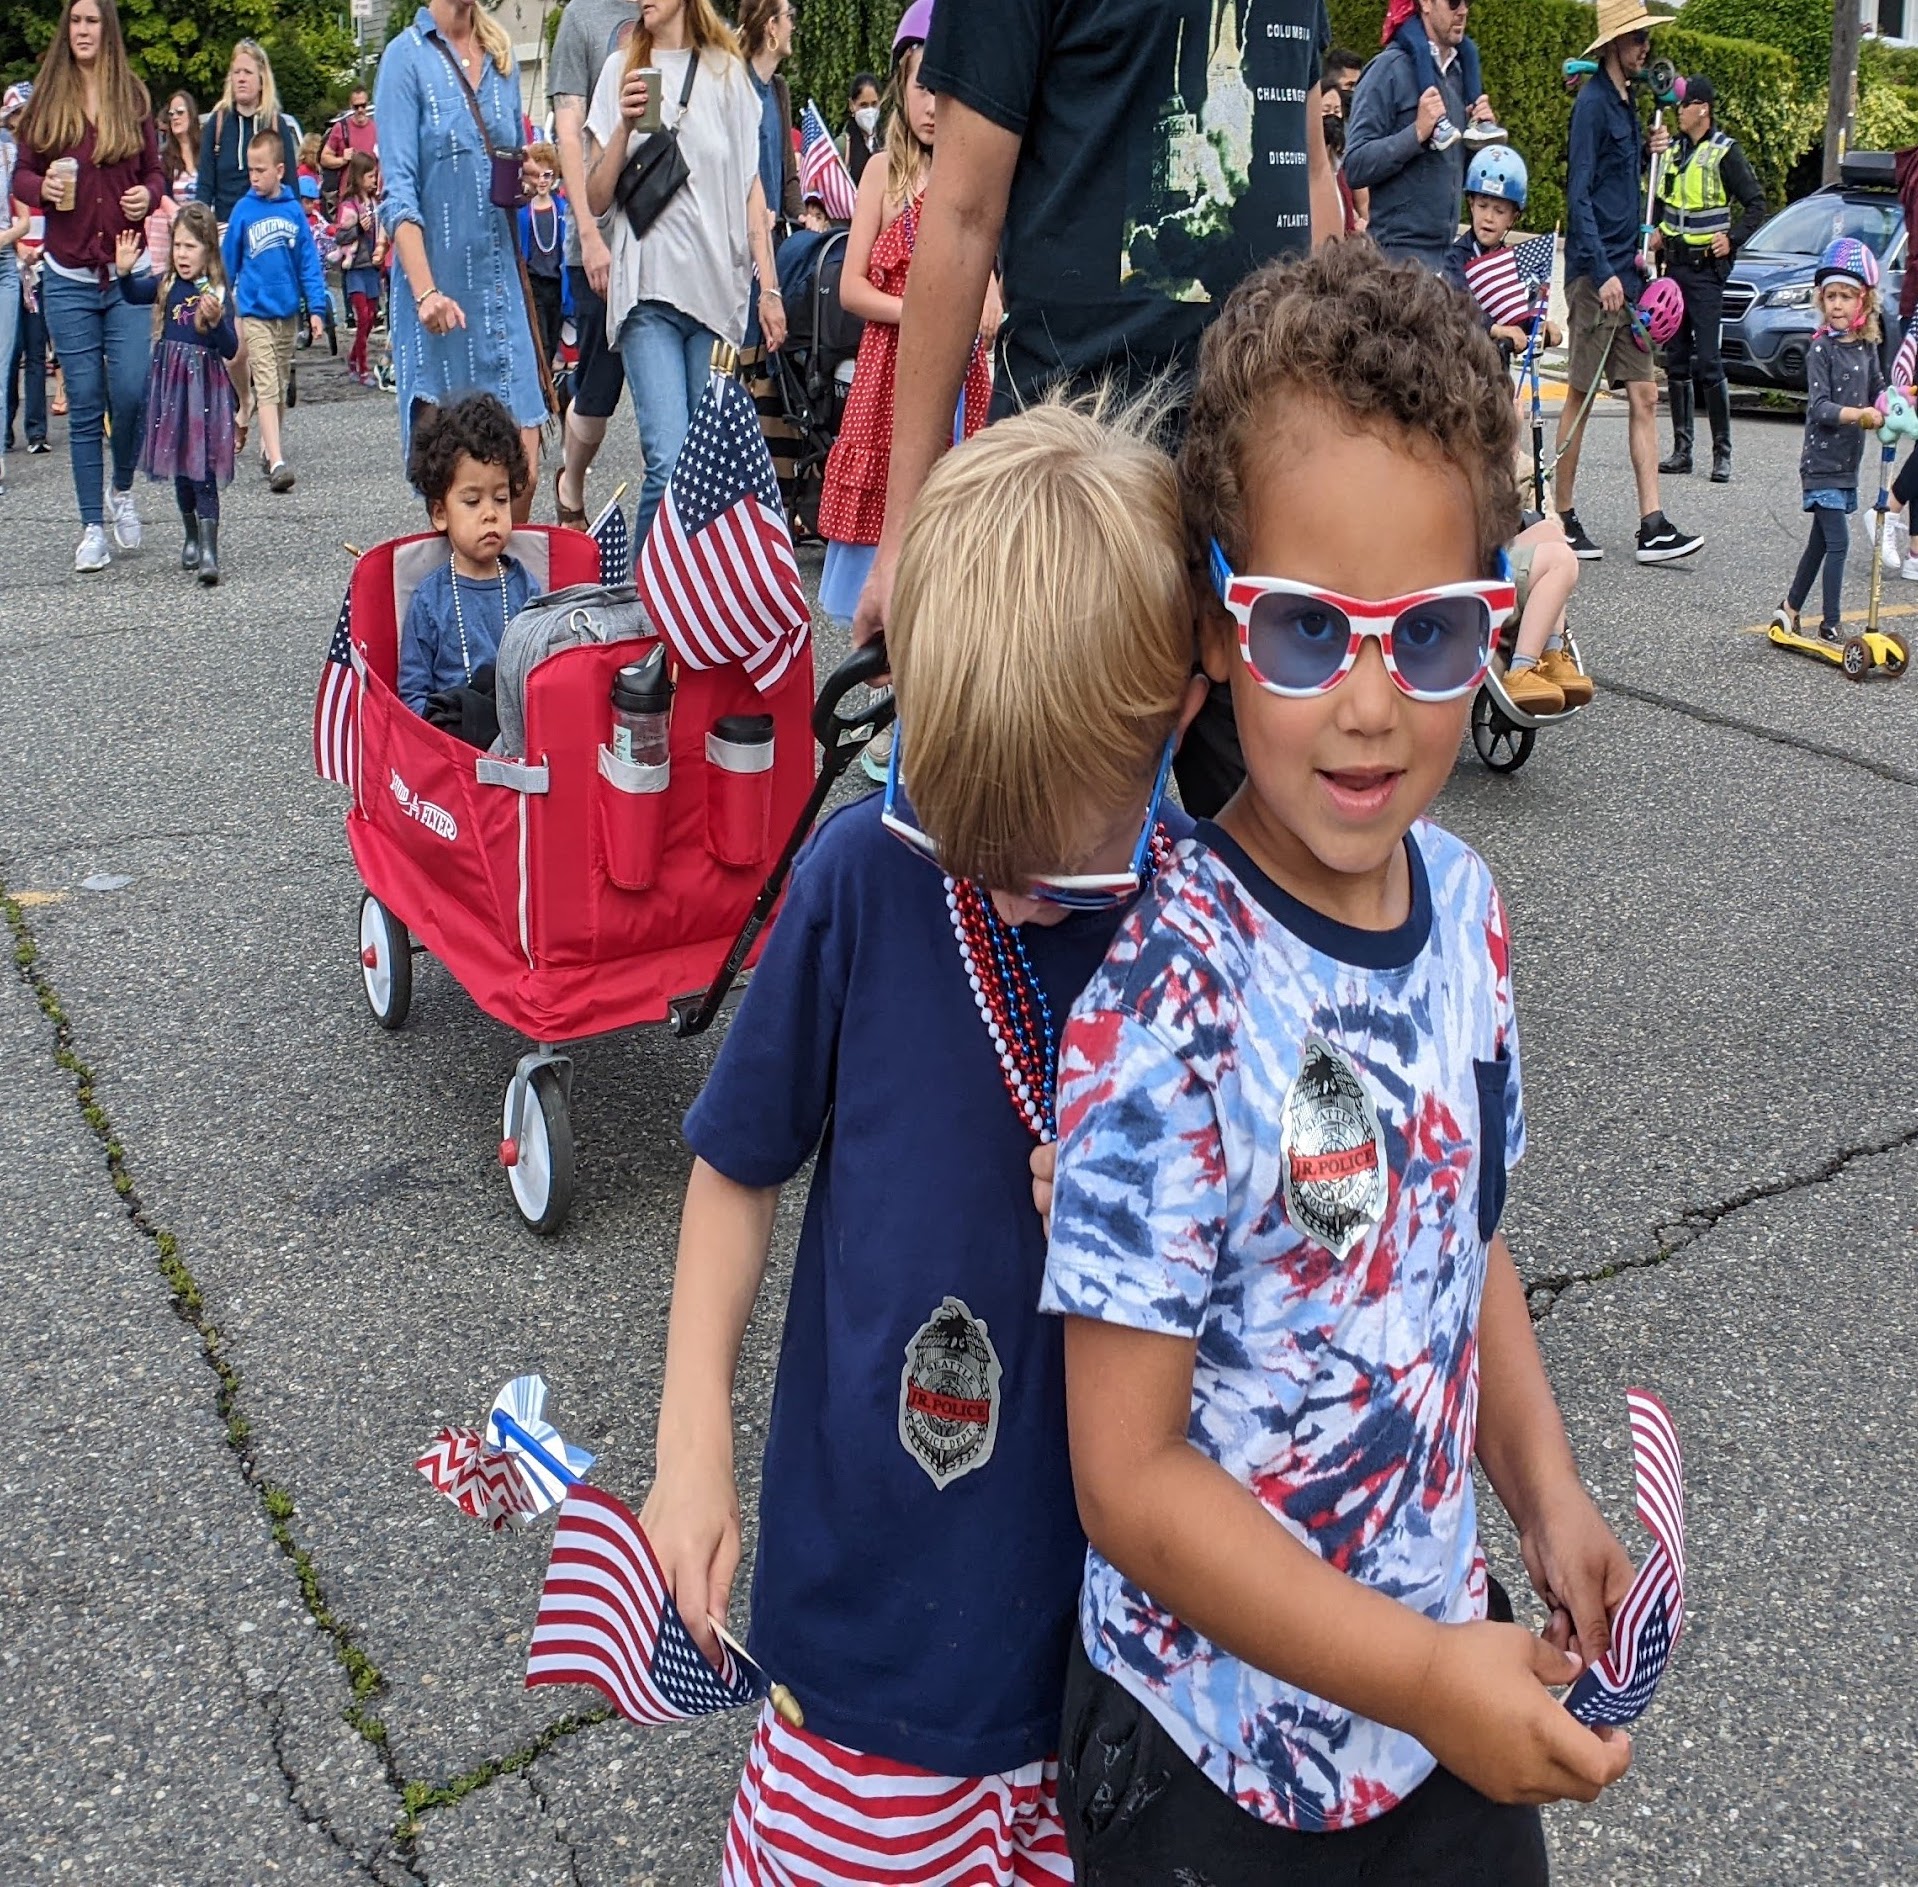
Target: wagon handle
{"points": [[841, 736]]}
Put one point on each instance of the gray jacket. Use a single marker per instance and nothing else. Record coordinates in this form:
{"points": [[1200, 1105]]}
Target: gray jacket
{"points": [[1837, 374], [1415, 190]]}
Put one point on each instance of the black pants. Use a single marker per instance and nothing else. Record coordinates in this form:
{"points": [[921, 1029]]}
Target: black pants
{"points": [[1692, 353], [600, 374], [1140, 1813], [200, 498], [547, 302], [1830, 538]]}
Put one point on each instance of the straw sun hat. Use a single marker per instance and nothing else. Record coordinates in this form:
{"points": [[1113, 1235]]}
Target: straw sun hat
{"points": [[1616, 18]]}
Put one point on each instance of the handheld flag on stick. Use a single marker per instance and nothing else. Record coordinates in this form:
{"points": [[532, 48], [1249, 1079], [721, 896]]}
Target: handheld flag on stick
{"points": [[335, 721], [615, 542], [717, 571], [607, 1618], [822, 171], [1647, 1624], [1505, 281]]}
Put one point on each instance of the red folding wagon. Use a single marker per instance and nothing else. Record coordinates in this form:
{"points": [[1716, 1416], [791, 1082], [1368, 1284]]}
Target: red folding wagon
{"points": [[568, 892]]}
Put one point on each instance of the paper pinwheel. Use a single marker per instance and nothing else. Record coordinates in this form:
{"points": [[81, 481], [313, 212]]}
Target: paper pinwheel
{"points": [[517, 1470]]}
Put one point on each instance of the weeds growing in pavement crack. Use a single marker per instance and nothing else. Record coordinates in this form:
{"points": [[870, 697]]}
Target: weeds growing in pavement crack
{"points": [[189, 1305], [419, 1797]]}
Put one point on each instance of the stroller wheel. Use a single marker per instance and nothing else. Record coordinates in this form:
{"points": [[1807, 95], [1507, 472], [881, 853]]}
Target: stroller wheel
{"points": [[386, 963], [539, 1160]]}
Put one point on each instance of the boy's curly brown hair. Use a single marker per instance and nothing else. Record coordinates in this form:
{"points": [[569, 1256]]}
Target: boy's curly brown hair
{"points": [[1388, 344], [478, 427]]}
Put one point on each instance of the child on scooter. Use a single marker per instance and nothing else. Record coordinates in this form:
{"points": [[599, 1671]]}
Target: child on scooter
{"points": [[1843, 377]]}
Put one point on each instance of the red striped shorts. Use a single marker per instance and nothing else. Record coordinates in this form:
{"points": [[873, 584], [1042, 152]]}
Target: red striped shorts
{"points": [[814, 1814]]}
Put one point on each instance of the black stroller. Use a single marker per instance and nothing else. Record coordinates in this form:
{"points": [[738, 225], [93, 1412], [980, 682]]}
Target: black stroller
{"points": [[801, 391]]}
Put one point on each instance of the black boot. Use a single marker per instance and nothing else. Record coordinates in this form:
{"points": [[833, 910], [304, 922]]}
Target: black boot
{"points": [[1680, 462], [190, 543], [209, 551], [1718, 408]]}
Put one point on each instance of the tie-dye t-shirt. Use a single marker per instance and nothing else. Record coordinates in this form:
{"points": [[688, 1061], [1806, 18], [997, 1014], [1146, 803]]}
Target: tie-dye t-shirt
{"points": [[1288, 1140]]}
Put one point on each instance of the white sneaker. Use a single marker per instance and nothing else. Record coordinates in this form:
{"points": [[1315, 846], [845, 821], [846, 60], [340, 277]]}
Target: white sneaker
{"points": [[1910, 570], [126, 520], [92, 552]]}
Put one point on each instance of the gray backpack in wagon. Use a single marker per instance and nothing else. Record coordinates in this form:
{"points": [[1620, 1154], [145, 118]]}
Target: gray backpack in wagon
{"points": [[582, 612]]}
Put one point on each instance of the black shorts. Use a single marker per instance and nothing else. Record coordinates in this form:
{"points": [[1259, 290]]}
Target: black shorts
{"points": [[598, 378], [1140, 1813]]}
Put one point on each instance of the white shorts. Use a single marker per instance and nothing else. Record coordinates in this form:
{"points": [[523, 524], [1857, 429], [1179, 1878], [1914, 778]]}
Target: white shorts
{"points": [[810, 1813]]}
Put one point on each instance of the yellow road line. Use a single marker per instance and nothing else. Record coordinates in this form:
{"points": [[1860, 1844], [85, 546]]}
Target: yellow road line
{"points": [[28, 900]]}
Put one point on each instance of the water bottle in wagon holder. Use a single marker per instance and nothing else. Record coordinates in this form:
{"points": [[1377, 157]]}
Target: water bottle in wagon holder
{"points": [[642, 711], [739, 798]]}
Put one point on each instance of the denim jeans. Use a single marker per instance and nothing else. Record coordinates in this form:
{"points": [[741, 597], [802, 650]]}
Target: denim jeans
{"points": [[27, 365], [10, 312], [667, 356], [105, 345]]}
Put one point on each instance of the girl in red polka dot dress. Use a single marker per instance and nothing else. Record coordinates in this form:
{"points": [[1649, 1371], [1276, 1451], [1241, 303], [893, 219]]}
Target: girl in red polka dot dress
{"points": [[872, 286]]}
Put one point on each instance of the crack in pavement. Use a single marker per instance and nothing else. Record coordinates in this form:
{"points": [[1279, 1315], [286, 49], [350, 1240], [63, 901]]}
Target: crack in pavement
{"points": [[1678, 1235], [538, 1791], [371, 1865], [1759, 730]]}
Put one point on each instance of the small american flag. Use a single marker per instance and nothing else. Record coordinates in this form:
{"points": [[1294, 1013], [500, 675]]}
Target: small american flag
{"points": [[1507, 282], [335, 724], [615, 542], [1904, 366], [478, 1480], [1648, 1622], [607, 1618], [822, 171], [717, 571]]}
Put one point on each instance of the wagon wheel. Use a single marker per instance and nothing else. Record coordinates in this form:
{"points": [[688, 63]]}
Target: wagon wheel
{"points": [[539, 1161], [386, 963], [1856, 660], [1501, 744]]}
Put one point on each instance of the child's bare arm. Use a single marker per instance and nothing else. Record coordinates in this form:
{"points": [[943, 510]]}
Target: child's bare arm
{"points": [[1206, 1549], [692, 1513], [1575, 1561]]}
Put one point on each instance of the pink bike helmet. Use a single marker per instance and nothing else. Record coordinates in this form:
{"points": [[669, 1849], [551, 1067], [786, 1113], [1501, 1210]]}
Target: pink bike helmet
{"points": [[1663, 308]]}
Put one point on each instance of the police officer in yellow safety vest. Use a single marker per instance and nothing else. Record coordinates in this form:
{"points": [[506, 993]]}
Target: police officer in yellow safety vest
{"points": [[1709, 202]]}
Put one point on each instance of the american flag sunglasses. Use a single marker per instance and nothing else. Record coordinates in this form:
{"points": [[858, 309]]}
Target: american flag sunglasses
{"points": [[1299, 641], [1085, 891]]}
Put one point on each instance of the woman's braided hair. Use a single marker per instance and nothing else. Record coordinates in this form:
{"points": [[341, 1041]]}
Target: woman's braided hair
{"points": [[1386, 346]]}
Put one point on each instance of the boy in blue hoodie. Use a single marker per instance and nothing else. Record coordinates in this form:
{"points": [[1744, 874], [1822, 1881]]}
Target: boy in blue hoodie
{"points": [[274, 266]]}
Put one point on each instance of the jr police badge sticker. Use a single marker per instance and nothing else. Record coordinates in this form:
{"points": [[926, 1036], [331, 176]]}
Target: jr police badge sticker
{"points": [[1332, 1149], [949, 1394]]}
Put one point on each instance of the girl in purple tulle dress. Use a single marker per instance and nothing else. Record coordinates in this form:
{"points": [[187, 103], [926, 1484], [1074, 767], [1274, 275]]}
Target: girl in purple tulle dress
{"points": [[189, 429]]}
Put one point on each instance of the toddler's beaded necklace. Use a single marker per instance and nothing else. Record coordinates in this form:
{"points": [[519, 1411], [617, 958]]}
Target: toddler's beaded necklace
{"points": [[1010, 998], [459, 615]]}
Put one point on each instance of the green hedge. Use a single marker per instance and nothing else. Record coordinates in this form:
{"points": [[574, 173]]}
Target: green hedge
{"points": [[835, 39], [1523, 44]]}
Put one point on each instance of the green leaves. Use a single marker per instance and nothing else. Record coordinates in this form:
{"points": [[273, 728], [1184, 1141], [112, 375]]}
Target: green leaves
{"points": [[835, 39]]}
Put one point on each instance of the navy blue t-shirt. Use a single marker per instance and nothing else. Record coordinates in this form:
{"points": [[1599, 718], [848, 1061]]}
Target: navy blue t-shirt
{"points": [[919, 1548]]}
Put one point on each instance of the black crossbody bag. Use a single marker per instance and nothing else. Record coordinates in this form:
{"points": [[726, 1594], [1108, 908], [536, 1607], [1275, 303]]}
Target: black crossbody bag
{"points": [[657, 171]]}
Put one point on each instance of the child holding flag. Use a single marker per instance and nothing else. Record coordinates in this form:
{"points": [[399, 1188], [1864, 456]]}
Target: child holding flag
{"points": [[885, 223], [1288, 1104], [919, 1551]]}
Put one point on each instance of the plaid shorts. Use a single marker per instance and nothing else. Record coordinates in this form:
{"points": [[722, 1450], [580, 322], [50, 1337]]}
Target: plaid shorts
{"points": [[810, 1813]]}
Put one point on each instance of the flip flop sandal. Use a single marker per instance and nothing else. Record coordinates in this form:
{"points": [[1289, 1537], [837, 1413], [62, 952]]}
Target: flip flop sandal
{"points": [[573, 520]]}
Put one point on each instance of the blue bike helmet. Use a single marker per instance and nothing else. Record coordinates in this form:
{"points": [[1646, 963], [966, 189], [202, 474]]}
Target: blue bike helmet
{"points": [[1848, 257], [1498, 171]]}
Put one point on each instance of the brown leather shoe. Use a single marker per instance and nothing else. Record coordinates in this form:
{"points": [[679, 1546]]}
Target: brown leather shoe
{"points": [[1557, 666]]}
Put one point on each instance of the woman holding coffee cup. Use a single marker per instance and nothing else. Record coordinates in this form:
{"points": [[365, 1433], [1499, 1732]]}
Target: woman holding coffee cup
{"points": [[460, 311], [90, 159]]}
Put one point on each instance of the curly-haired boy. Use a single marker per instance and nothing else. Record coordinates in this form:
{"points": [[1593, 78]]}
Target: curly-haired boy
{"points": [[1287, 1107]]}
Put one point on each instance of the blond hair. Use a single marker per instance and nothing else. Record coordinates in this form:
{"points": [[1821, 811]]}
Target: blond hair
{"points": [[267, 111], [494, 41], [705, 32], [907, 160], [1041, 637]]}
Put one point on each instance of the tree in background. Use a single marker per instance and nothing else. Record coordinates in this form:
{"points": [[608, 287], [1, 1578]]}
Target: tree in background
{"points": [[835, 39], [174, 46]]}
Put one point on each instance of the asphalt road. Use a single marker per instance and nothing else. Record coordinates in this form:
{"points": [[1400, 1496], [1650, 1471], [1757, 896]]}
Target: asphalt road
{"points": [[259, 1250]]}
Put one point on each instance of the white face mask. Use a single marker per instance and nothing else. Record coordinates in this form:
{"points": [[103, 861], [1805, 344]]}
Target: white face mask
{"points": [[867, 119]]}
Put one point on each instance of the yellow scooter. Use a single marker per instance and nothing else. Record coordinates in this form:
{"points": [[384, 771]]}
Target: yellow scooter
{"points": [[1859, 655]]}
